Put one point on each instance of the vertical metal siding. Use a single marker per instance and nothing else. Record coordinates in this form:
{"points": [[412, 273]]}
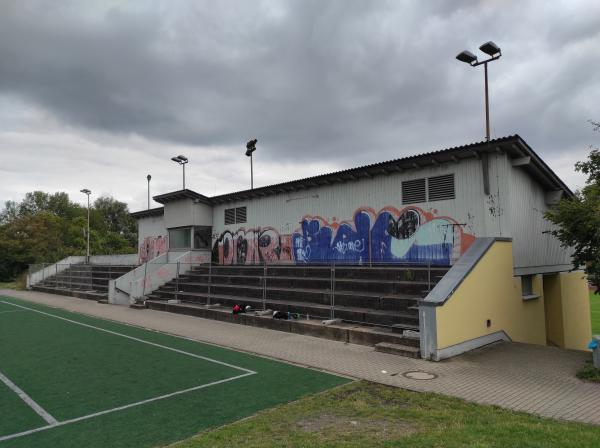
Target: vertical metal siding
{"points": [[339, 202], [532, 245]]}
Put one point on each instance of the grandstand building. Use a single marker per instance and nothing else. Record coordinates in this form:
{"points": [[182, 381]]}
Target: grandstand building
{"points": [[436, 253]]}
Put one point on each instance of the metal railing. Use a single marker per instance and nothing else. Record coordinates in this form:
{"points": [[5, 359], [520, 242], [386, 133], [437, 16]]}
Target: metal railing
{"points": [[207, 285], [331, 288], [76, 276]]}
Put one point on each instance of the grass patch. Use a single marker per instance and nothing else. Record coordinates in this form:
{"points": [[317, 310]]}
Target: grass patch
{"points": [[20, 283], [589, 372], [595, 312], [367, 414]]}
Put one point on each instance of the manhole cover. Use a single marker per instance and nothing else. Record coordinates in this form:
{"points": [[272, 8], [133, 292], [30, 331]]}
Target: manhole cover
{"points": [[418, 375]]}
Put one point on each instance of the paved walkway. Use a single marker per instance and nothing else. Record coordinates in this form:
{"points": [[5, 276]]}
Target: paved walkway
{"points": [[522, 377]]}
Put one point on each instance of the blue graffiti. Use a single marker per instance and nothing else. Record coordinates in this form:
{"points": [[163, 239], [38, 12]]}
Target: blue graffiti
{"points": [[388, 240]]}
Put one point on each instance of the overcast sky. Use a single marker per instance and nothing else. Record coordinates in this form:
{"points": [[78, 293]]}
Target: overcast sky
{"points": [[99, 94]]}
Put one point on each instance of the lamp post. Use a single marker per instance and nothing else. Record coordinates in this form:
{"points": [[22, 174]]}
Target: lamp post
{"points": [[250, 148], [492, 50], [88, 192], [148, 177], [182, 160]]}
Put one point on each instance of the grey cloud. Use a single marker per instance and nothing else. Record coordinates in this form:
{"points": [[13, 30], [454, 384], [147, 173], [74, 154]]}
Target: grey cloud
{"points": [[346, 81]]}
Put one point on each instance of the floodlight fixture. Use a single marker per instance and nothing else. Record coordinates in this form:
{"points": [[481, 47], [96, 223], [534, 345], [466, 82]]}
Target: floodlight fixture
{"points": [[466, 56], [251, 147], [490, 48]]}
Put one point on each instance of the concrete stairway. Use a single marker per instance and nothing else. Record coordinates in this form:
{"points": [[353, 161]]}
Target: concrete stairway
{"points": [[85, 281], [384, 298]]}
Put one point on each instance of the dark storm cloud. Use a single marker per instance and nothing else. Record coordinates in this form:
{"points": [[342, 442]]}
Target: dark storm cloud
{"points": [[351, 81]]}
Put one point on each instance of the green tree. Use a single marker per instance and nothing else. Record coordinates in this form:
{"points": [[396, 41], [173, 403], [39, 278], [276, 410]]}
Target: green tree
{"points": [[44, 228], [578, 218]]}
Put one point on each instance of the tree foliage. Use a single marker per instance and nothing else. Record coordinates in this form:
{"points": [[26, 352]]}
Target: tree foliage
{"points": [[578, 218], [44, 228]]}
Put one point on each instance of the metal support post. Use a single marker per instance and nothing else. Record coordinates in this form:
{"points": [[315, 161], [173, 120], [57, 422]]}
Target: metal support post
{"points": [[264, 294], [428, 276], [209, 281], [177, 282], [332, 305]]}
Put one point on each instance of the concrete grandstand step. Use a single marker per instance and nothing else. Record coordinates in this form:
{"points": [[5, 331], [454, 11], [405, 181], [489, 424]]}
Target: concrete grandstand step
{"points": [[344, 332], [341, 284], [88, 295], [398, 349], [354, 314]]}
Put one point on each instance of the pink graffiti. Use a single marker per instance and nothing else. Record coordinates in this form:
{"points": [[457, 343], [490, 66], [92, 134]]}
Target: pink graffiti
{"points": [[254, 246], [152, 247]]}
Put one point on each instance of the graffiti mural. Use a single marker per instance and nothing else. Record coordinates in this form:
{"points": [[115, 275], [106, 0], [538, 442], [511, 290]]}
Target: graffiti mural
{"points": [[390, 235], [252, 246], [152, 247]]}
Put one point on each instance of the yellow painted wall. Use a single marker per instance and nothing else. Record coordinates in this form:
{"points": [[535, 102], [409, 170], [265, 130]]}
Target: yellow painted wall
{"points": [[554, 314], [491, 292], [568, 313]]}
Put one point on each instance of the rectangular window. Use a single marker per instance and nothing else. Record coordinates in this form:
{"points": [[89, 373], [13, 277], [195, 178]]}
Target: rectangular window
{"points": [[180, 238], [235, 215], [441, 187], [202, 237], [240, 215], [229, 216], [413, 191], [527, 285]]}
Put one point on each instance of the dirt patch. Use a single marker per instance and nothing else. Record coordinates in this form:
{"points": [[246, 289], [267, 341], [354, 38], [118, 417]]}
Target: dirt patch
{"points": [[330, 425]]}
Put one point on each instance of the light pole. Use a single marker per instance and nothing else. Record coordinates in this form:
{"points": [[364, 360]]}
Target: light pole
{"points": [[148, 177], [250, 148], [182, 160], [492, 50], [88, 192]]}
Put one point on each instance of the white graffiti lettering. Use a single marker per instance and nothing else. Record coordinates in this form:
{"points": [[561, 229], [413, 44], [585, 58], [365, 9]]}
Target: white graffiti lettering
{"points": [[351, 246]]}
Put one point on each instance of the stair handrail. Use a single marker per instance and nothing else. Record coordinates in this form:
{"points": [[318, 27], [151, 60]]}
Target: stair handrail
{"points": [[38, 276], [148, 277]]}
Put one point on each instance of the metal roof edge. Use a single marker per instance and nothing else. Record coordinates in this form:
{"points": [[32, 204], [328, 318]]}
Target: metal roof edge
{"points": [[356, 173], [158, 211]]}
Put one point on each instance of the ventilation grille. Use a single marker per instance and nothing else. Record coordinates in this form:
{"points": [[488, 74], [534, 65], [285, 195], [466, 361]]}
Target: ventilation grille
{"points": [[229, 216], [240, 215], [441, 187], [235, 215], [413, 191]]}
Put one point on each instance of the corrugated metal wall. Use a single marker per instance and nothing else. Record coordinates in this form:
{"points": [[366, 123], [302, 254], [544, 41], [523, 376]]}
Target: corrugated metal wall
{"points": [[335, 204], [535, 250]]}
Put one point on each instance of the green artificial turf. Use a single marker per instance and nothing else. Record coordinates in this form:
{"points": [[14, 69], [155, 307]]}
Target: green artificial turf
{"points": [[595, 312], [365, 414], [71, 371]]}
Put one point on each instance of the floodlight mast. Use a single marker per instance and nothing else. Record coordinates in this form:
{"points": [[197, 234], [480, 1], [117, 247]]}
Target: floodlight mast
{"points": [[492, 50], [250, 148], [148, 177], [182, 160], [87, 192]]}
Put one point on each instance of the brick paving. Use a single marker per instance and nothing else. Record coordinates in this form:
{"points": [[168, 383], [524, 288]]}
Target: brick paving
{"points": [[523, 377]]}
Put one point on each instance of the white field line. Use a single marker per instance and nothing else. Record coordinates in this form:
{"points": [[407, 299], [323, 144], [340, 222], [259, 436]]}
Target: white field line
{"points": [[27, 399], [12, 311], [133, 338], [120, 408]]}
